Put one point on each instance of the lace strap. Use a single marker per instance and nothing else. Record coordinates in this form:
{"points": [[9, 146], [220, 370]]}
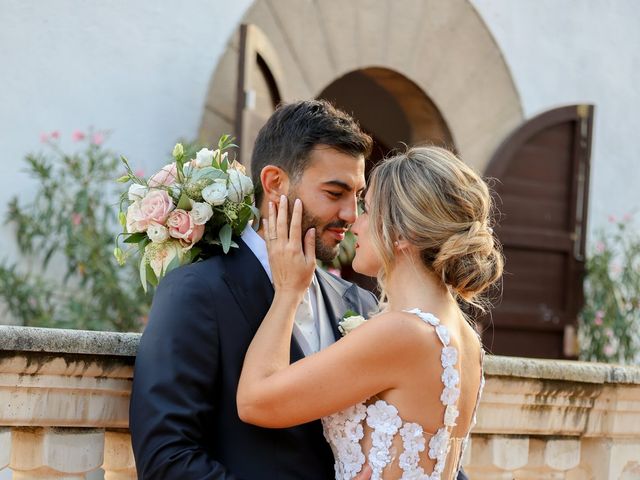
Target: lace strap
{"points": [[439, 444]]}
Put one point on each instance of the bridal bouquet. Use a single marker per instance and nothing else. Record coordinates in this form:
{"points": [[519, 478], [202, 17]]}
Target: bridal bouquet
{"points": [[179, 214]]}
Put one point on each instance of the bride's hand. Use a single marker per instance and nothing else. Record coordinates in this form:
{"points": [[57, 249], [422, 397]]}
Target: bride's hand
{"points": [[291, 266]]}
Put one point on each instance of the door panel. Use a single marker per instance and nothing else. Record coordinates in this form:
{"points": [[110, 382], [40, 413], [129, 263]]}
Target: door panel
{"points": [[542, 173]]}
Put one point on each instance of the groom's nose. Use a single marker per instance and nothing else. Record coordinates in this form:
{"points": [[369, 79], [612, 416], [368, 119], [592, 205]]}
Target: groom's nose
{"points": [[349, 210]]}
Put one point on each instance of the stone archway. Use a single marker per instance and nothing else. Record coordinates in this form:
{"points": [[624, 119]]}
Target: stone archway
{"points": [[400, 114], [443, 47]]}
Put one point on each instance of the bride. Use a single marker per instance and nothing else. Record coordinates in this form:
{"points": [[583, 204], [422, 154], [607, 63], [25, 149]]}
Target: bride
{"points": [[399, 392]]}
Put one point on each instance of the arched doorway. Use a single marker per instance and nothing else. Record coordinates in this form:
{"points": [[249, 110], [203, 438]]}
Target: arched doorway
{"points": [[390, 107], [395, 112], [442, 48]]}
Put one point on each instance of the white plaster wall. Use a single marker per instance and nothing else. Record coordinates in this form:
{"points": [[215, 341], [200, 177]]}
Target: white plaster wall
{"points": [[573, 51], [140, 69]]}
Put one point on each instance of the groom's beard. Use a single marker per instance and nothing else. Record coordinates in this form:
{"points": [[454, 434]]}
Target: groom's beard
{"points": [[325, 252]]}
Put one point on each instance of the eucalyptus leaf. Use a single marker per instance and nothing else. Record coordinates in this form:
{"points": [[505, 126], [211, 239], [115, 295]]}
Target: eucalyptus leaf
{"points": [[225, 237]]}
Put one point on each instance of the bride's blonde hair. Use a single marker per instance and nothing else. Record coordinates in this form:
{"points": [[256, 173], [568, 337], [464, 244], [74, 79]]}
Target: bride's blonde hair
{"points": [[441, 206]]}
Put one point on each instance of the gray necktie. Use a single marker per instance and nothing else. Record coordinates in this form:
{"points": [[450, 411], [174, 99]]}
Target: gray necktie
{"points": [[306, 323]]}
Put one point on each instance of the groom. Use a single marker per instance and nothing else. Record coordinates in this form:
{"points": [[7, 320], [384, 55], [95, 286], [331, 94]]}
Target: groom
{"points": [[183, 416]]}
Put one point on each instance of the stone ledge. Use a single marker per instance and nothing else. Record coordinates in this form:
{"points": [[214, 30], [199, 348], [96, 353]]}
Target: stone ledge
{"points": [[53, 340], [114, 344], [565, 370]]}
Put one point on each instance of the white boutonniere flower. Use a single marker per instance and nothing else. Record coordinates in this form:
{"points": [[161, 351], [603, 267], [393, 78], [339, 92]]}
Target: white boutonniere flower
{"points": [[349, 321]]}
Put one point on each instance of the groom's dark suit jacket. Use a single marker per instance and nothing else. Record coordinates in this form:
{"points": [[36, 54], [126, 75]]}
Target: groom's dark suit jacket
{"points": [[183, 416]]}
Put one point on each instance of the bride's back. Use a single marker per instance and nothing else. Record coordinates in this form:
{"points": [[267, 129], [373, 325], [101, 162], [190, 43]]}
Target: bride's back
{"points": [[418, 397]]}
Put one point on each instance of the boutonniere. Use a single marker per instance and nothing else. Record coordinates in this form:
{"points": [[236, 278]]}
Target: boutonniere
{"points": [[349, 321]]}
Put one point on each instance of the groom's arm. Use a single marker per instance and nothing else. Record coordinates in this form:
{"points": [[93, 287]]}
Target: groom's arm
{"points": [[173, 391]]}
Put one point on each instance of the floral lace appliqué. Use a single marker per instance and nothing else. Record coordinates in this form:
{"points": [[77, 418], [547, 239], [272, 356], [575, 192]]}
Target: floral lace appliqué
{"points": [[343, 431], [385, 422]]}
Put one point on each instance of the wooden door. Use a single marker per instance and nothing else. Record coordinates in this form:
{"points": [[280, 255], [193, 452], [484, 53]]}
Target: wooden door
{"points": [[542, 173], [259, 88]]}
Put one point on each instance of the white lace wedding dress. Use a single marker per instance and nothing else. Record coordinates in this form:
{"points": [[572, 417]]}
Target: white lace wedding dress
{"points": [[345, 431]]}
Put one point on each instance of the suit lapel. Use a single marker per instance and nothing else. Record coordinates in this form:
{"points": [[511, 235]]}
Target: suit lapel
{"points": [[338, 298], [250, 286]]}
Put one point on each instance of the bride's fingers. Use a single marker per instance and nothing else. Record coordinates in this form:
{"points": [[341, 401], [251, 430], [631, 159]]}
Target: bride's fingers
{"points": [[282, 230], [271, 232], [310, 247], [296, 224], [265, 229]]}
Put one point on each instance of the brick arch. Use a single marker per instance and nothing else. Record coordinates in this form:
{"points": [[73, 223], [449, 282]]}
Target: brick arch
{"points": [[445, 48]]}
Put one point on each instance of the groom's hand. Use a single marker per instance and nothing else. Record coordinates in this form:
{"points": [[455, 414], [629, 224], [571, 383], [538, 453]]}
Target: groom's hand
{"points": [[365, 473]]}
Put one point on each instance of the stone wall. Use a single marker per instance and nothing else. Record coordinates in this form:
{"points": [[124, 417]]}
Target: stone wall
{"points": [[64, 412]]}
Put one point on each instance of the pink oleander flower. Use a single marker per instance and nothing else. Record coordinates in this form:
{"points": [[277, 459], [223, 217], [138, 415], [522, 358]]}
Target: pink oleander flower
{"points": [[44, 137], [139, 173], [76, 218], [612, 219], [609, 350], [55, 134], [154, 207], [77, 136], [165, 177], [182, 227], [600, 247], [97, 138], [627, 217], [599, 318]]}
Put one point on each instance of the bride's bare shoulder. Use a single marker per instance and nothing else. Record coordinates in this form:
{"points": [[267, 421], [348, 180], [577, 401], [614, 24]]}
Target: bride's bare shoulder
{"points": [[398, 329]]}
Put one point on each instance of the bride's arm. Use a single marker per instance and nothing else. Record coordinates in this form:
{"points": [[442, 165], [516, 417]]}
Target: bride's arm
{"points": [[273, 393]]}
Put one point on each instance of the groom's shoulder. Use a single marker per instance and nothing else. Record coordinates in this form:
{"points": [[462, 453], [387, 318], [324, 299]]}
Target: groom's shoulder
{"points": [[204, 273], [343, 284]]}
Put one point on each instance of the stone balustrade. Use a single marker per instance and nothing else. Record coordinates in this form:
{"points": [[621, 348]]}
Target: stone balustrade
{"points": [[64, 412]]}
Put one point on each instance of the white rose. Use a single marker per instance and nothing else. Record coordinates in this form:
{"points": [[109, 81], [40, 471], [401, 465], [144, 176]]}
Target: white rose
{"points": [[239, 186], [216, 193], [157, 233], [204, 158], [137, 192], [349, 323], [201, 213]]}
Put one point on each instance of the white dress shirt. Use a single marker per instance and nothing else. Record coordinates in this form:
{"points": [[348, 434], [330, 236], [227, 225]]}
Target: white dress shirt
{"points": [[310, 331]]}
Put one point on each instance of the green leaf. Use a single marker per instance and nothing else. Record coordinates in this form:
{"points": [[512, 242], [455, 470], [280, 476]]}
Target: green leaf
{"points": [[151, 276], [123, 179], [135, 237], [350, 313], [174, 263], [225, 237], [184, 203], [143, 273]]}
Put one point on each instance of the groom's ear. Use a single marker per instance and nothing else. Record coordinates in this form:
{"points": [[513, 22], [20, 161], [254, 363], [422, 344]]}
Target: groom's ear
{"points": [[275, 182]]}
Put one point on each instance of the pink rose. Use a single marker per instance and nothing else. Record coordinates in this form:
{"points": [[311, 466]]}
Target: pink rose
{"points": [[154, 207], [181, 226], [167, 176]]}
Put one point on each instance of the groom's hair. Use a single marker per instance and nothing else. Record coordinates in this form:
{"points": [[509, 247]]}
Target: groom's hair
{"points": [[292, 132]]}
